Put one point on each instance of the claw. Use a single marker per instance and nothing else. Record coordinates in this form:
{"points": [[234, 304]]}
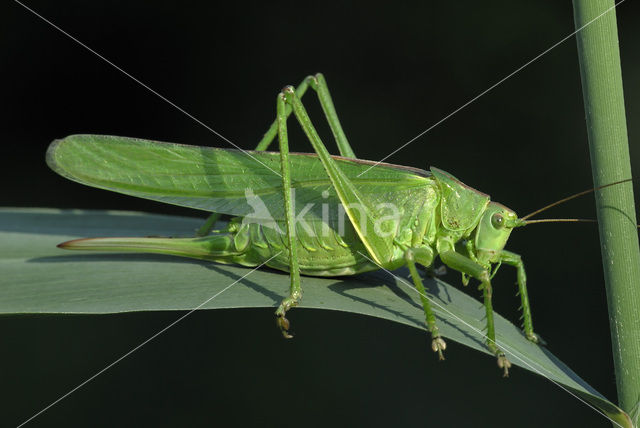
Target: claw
{"points": [[281, 320], [438, 345], [504, 364], [283, 323], [535, 338]]}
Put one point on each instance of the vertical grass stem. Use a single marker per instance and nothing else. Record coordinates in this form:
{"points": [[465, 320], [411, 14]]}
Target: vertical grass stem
{"points": [[608, 146]]}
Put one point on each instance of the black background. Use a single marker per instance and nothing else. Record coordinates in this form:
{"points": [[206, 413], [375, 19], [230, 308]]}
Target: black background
{"points": [[394, 70]]}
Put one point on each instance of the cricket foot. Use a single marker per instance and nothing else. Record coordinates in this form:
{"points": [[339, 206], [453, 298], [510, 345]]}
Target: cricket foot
{"points": [[438, 345], [281, 320], [504, 364]]}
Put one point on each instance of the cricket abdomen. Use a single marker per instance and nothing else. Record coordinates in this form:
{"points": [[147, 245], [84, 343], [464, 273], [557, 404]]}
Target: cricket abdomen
{"points": [[321, 251]]}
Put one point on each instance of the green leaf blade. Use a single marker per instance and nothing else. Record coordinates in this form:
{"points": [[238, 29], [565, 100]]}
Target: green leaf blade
{"points": [[40, 278]]}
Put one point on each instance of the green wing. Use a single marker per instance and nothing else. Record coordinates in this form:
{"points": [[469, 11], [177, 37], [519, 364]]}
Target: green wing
{"points": [[221, 180]]}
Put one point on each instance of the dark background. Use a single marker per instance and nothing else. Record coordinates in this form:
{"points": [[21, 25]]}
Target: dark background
{"points": [[394, 71]]}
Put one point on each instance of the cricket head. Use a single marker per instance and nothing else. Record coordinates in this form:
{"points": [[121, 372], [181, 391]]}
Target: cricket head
{"points": [[493, 230]]}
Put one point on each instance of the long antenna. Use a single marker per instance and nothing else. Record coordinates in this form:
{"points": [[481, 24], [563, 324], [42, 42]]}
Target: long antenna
{"points": [[568, 198], [562, 220]]}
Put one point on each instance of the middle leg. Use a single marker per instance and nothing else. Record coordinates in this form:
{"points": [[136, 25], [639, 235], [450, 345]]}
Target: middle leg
{"points": [[425, 256]]}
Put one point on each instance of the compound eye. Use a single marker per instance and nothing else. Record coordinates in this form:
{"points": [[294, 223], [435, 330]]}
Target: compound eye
{"points": [[497, 220]]}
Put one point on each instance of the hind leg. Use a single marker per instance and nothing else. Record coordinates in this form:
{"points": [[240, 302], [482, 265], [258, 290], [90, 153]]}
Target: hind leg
{"points": [[318, 84]]}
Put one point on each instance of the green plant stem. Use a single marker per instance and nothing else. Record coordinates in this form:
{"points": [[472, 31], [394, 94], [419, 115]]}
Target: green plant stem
{"points": [[604, 106]]}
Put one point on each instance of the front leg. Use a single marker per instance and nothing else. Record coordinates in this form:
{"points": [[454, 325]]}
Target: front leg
{"points": [[515, 260], [467, 266]]}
